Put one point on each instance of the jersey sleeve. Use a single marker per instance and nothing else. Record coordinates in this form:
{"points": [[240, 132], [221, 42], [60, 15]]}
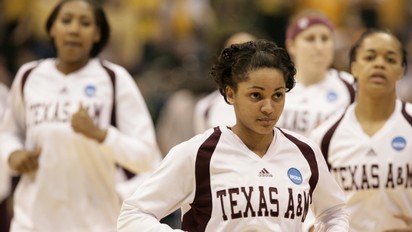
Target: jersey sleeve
{"points": [[132, 143], [329, 201], [12, 127], [170, 186]]}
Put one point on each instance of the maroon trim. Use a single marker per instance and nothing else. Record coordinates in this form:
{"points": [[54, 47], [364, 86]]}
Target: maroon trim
{"points": [[197, 218], [24, 80], [405, 114], [112, 75], [324, 145], [5, 214], [309, 155], [350, 88]]}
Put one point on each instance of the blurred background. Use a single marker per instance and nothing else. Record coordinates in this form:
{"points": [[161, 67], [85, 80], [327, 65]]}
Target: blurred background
{"points": [[168, 45]]}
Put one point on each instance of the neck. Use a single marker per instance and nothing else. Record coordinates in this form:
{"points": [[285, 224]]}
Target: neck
{"points": [[69, 67], [375, 109], [257, 143], [372, 113]]}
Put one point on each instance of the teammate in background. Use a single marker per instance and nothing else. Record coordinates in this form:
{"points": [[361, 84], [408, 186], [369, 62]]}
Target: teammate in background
{"points": [[71, 120], [369, 146], [247, 177], [320, 89], [212, 110]]}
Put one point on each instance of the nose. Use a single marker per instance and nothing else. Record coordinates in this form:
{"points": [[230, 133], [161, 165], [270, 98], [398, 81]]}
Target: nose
{"points": [[74, 27], [380, 62], [267, 106]]}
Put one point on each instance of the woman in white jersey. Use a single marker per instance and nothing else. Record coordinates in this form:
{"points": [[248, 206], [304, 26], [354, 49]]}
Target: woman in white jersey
{"points": [[247, 177], [71, 121], [369, 147], [320, 90]]}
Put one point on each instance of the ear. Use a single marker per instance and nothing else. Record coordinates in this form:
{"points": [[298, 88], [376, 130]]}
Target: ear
{"points": [[97, 36], [52, 32], [230, 94], [354, 68]]}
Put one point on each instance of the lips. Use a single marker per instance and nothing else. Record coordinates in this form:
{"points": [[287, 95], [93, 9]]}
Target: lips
{"points": [[378, 77], [73, 44]]}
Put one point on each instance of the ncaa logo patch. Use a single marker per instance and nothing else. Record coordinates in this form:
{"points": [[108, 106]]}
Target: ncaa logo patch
{"points": [[398, 143], [332, 96], [90, 91], [295, 176]]}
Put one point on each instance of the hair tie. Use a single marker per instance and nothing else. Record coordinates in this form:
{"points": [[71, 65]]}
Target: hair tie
{"points": [[306, 22]]}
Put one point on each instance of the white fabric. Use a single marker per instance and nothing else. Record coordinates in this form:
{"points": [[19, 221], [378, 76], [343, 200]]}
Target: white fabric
{"points": [[234, 167], [5, 176], [306, 107], [375, 172], [74, 186]]}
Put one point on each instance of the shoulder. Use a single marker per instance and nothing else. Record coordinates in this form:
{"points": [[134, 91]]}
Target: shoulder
{"points": [[319, 132], [30, 66], [118, 69], [345, 76], [190, 147], [406, 110]]}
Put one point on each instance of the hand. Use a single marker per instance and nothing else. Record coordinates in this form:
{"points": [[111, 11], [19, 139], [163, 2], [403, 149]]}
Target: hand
{"points": [[82, 123], [406, 219], [24, 161]]}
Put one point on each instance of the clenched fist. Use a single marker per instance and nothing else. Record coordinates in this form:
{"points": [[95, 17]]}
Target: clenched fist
{"points": [[24, 161], [82, 123]]}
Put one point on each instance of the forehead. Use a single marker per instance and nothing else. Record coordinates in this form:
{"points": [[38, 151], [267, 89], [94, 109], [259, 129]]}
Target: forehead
{"points": [[381, 42], [77, 7]]}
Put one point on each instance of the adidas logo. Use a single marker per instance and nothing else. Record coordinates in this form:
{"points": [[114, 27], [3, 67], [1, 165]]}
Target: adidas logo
{"points": [[264, 173], [371, 153]]}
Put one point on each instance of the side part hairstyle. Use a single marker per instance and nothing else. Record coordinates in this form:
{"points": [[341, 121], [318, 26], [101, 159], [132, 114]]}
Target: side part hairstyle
{"points": [[101, 23], [235, 62], [354, 50]]}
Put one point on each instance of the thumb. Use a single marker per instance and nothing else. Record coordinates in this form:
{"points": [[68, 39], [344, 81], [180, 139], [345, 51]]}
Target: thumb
{"points": [[36, 152]]}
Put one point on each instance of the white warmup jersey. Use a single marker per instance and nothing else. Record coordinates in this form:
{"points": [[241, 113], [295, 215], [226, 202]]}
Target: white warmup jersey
{"points": [[221, 185], [5, 176], [307, 107], [211, 111], [374, 172], [74, 186]]}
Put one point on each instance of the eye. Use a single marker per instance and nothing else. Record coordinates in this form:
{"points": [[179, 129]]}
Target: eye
{"points": [[310, 38], [255, 96], [86, 22], [391, 60], [278, 96], [369, 58], [325, 38], [66, 20]]}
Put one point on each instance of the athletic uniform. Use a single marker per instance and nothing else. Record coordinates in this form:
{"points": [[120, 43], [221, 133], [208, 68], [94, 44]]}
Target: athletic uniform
{"points": [[221, 185], [307, 107], [74, 186], [5, 178], [374, 172], [5, 175]]}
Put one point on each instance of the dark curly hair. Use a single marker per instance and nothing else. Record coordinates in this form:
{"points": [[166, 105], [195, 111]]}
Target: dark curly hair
{"points": [[101, 22], [235, 62]]}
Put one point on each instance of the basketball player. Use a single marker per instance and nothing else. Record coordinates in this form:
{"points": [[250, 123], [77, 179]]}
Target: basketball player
{"points": [[320, 89], [247, 177], [369, 147], [71, 121]]}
